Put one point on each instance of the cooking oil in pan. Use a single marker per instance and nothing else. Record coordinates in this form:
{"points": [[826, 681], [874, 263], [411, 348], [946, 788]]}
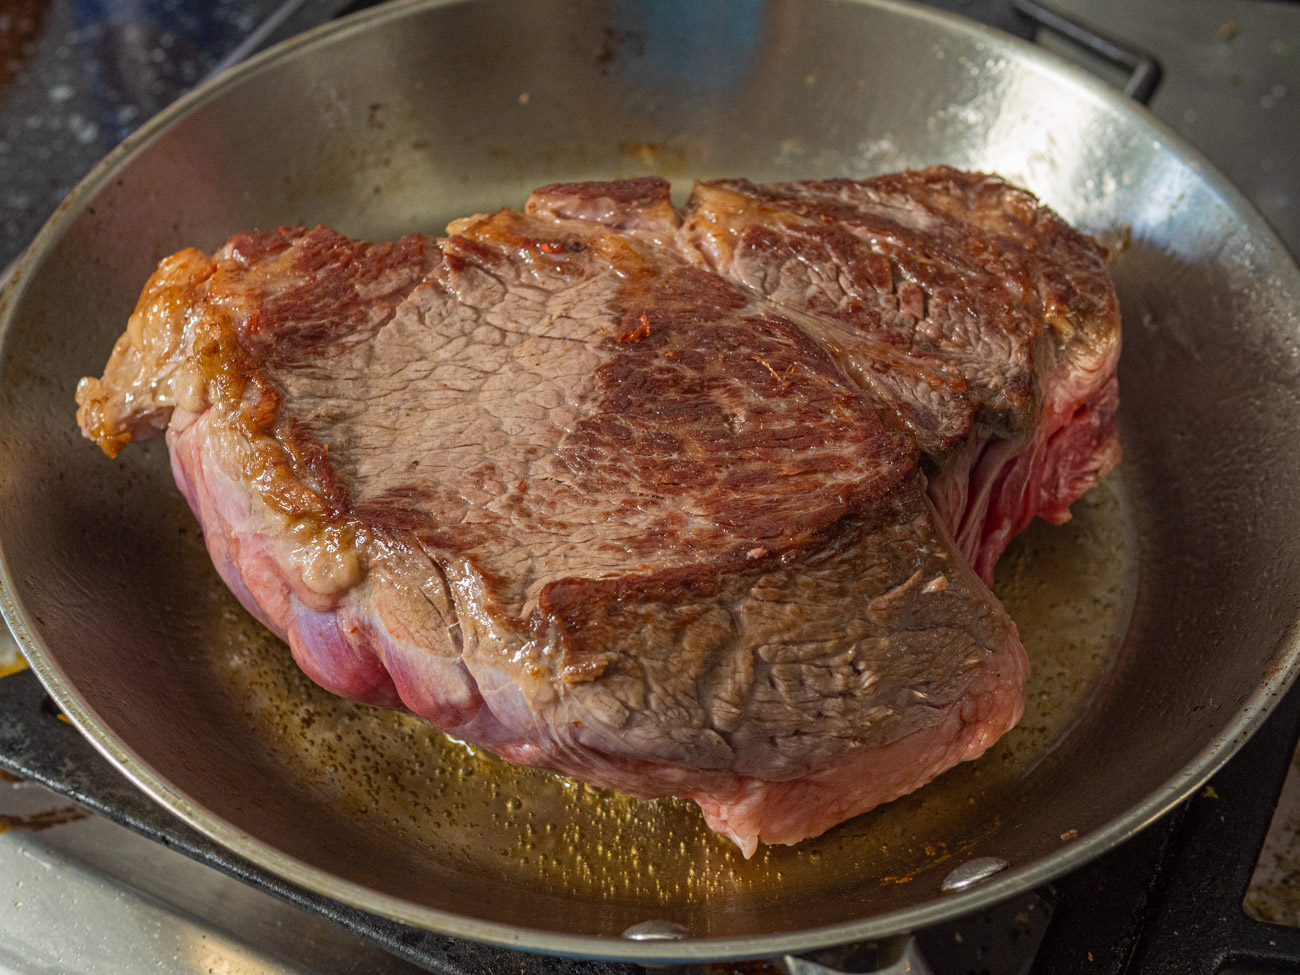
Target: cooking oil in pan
{"points": [[1066, 587], [1070, 591]]}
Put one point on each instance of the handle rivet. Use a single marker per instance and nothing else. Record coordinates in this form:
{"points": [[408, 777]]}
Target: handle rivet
{"points": [[973, 871], [657, 931]]}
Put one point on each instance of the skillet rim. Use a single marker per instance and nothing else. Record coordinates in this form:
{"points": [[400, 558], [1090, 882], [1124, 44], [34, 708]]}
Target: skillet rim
{"points": [[1161, 799]]}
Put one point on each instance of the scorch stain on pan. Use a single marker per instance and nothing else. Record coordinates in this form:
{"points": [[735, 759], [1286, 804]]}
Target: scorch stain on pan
{"points": [[35, 822], [1066, 587]]}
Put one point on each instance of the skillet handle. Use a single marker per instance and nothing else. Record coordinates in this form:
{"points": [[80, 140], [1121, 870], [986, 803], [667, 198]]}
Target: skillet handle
{"points": [[895, 956], [1144, 69]]}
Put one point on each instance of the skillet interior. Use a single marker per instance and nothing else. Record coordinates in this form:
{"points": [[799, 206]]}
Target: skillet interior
{"points": [[410, 116]]}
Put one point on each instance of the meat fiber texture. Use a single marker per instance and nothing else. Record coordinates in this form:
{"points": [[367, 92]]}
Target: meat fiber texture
{"points": [[697, 502]]}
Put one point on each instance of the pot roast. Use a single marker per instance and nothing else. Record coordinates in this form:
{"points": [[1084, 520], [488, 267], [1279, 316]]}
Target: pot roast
{"points": [[697, 502]]}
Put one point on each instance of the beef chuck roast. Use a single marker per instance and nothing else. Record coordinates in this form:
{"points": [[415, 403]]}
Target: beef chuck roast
{"points": [[983, 319], [674, 504]]}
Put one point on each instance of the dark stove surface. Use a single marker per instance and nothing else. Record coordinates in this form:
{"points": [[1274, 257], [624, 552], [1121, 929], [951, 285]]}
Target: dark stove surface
{"points": [[77, 76], [1167, 902]]}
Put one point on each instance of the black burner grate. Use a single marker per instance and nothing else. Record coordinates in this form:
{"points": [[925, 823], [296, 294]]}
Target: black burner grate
{"points": [[35, 745], [1167, 902]]}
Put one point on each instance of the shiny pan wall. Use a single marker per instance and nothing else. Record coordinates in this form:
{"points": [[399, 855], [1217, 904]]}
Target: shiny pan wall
{"points": [[1180, 577]]}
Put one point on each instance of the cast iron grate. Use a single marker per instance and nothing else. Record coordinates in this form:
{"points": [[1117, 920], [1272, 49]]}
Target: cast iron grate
{"points": [[1167, 902]]}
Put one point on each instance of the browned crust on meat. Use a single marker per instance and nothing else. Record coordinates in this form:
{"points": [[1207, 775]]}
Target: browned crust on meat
{"points": [[642, 204], [331, 285], [248, 312], [1069, 267], [125, 404], [640, 192], [279, 300], [987, 248]]}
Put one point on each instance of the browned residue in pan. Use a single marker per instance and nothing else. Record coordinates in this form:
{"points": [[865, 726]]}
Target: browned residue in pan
{"points": [[661, 157], [35, 822]]}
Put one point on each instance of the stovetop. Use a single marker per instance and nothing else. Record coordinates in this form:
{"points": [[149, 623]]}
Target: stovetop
{"points": [[81, 893]]}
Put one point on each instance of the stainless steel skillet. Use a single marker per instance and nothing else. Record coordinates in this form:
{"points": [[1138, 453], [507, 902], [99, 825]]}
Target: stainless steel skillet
{"points": [[407, 116]]}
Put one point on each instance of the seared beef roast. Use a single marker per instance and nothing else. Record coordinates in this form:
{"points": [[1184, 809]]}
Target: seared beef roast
{"points": [[675, 503]]}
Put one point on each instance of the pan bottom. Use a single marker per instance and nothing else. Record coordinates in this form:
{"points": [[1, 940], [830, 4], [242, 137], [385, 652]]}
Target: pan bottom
{"points": [[1068, 588]]}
